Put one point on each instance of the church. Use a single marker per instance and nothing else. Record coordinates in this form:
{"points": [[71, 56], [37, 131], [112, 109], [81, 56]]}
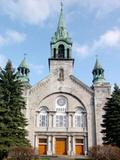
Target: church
{"points": [[64, 114]]}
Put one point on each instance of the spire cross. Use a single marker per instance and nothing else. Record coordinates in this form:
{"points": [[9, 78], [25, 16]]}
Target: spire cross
{"points": [[96, 56], [61, 4]]}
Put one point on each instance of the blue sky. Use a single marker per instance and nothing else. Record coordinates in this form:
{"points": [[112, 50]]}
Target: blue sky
{"points": [[26, 26]]}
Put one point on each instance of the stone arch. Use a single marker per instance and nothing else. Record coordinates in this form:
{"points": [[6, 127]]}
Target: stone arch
{"points": [[41, 108], [70, 94]]}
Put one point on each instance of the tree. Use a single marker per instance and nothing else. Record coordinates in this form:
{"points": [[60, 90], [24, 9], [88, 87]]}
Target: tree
{"points": [[12, 105], [111, 119]]}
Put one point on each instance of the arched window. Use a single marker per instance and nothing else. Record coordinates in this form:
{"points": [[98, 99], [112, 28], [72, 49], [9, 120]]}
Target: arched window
{"points": [[79, 117], [43, 118], [61, 50], [61, 108]]}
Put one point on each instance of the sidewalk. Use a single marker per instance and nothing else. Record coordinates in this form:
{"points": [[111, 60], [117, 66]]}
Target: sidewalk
{"points": [[66, 158]]}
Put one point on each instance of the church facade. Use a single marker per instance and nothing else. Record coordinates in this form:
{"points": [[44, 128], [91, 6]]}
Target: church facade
{"points": [[64, 114]]}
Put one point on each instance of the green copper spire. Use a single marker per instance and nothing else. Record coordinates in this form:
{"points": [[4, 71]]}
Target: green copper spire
{"points": [[61, 43], [61, 33], [98, 73], [61, 23], [23, 71], [97, 64]]}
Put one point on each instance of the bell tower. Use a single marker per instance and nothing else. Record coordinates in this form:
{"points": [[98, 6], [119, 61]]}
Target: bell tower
{"points": [[98, 73], [23, 71], [61, 47], [102, 91]]}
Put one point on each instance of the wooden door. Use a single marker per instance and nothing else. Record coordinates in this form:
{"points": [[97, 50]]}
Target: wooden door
{"points": [[60, 146], [79, 149], [42, 149]]}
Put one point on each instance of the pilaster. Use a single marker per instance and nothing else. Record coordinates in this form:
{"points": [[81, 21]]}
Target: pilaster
{"points": [[53, 145], [73, 146], [49, 144], [69, 146]]}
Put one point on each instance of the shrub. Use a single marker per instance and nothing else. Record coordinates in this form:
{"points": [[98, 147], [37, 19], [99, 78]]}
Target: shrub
{"points": [[21, 153], [106, 152]]}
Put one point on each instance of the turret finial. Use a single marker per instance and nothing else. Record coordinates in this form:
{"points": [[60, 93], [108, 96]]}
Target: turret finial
{"points": [[25, 54]]}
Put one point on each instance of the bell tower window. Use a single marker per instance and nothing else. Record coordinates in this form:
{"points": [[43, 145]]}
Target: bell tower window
{"points": [[61, 50], [68, 53], [54, 52]]}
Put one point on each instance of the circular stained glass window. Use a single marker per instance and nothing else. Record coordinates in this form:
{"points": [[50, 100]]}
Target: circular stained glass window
{"points": [[61, 101]]}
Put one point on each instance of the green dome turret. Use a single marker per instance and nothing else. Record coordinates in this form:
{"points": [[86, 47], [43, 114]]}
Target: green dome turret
{"points": [[98, 73], [24, 64], [97, 64], [23, 71], [61, 42]]}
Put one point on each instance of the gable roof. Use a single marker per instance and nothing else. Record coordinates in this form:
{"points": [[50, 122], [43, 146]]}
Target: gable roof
{"points": [[76, 80]]}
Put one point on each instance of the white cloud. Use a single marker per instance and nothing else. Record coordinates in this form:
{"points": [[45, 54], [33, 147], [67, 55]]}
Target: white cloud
{"points": [[37, 68], [12, 36], [16, 36], [37, 11], [109, 40], [100, 7], [82, 50], [30, 11]]}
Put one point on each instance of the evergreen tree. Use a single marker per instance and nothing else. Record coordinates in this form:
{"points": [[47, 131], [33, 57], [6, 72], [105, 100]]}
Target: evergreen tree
{"points": [[111, 119], [12, 105]]}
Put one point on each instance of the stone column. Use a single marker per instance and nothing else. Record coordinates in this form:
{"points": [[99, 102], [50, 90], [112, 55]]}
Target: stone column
{"points": [[69, 146], [36, 141], [86, 145], [53, 145], [36, 144], [73, 146], [49, 149]]}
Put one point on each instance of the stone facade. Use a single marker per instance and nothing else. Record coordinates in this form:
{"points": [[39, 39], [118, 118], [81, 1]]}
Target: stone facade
{"points": [[64, 114], [78, 95]]}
